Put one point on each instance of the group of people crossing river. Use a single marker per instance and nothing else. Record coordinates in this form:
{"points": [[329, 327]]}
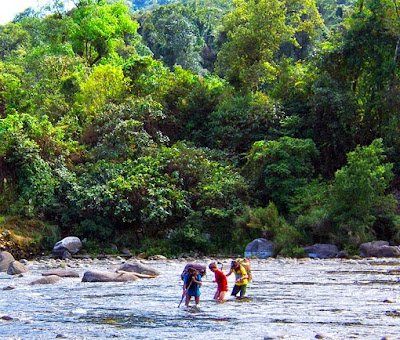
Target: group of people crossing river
{"points": [[192, 281]]}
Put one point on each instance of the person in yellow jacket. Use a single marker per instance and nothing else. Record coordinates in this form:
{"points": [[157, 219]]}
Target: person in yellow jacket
{"points": [[241, 279]]}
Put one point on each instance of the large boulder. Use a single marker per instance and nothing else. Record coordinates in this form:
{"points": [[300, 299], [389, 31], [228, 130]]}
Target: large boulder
{"points": [[322, 251], [46, 280], [5, 259], [67, 247], [61, 273], [261, 248], [16, 268], [378, 249], [97, 276], [138, 267]]}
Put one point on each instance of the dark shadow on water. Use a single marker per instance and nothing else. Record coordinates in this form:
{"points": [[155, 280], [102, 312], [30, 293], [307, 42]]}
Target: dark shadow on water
{"points": [[125, 321], [336, 323]]}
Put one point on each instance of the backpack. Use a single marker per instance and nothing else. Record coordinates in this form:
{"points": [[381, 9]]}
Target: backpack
{"points": [[247, 265], [200, 269]]}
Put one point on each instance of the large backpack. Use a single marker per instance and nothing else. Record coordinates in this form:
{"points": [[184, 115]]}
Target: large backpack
{"points": [[247, 265], [200, 269]]}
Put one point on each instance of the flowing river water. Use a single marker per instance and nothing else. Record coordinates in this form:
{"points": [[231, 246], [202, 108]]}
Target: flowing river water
{"points": [[287, 299]]}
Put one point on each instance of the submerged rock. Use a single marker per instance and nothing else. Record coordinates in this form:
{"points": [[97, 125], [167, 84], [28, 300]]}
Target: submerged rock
{"points": [[98, 276], [138, 267], [6, 317], [46, 280], [61, 273]]}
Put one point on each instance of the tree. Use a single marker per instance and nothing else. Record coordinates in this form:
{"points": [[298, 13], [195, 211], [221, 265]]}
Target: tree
{"points": [[106, 83], [277, 168], [363, 62], [359, 192], [99, 28], [173, 38], [255, 31], [239, 121]]}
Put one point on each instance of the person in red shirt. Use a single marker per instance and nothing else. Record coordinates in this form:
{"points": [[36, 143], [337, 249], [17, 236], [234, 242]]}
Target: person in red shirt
{"points": [[222, 282]]}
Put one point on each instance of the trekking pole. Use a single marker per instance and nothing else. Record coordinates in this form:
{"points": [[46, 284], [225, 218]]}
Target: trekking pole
{"points": [[183, 294]]}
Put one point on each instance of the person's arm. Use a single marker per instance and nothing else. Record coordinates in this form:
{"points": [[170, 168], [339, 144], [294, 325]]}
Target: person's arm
{"points": [[197, 280], [185, 282], [244, 274], [230, 272]]}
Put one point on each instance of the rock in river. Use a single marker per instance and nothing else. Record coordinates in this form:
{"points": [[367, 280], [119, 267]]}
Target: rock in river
{"points": [[46, 280], [322, 251], [66, 247], [260, 247], [16, 268], [61, 273], [98, 276], [378, 249], [5, 259], [138, 267]]}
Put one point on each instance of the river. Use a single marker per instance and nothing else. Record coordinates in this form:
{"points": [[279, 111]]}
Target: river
{"points": [[287, 299]]}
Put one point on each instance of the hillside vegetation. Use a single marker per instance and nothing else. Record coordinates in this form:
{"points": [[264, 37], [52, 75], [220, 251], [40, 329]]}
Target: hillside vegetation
{"points": [[201, 125]]}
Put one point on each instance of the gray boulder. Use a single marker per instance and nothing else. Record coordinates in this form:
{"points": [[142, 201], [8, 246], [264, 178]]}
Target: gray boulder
{"points": [[16, 268], [261, 248], [46, 280], [97, 276], [67, 247], [5, 259], [343, 254], [138, 267], [378, 249], [61, 273], [322, 251]]}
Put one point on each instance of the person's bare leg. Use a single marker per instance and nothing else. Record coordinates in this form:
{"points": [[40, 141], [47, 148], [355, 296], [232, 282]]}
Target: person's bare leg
{"points": [[221, 297], [216, 296], [187, 300]]}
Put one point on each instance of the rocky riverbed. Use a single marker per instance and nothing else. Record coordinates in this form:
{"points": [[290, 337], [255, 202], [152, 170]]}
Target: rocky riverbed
{"points": [[287, 299]]}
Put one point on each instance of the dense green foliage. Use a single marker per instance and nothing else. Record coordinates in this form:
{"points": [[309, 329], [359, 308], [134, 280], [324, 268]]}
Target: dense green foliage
{"points": [[199, 125]]}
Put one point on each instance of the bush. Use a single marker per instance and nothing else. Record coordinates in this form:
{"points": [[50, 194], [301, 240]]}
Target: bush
{"points": [[189, 238], [278, 168], [267, 223]]}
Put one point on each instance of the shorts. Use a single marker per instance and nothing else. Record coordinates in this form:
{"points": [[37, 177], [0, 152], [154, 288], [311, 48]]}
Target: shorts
{"points": [[195, 293], [222, 288]]}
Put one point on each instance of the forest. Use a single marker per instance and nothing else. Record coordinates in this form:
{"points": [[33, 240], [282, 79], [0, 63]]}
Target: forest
{"points": [[199, 125]]}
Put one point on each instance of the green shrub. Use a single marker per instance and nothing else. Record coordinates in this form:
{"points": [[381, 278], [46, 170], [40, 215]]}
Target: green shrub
{"points": [[267, 223]]}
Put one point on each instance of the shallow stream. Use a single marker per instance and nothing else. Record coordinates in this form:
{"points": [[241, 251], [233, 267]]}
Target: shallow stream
{"points": [[287, 299]]}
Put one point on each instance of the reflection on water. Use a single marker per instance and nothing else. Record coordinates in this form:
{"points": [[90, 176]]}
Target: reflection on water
{"points": [[288, 299]]}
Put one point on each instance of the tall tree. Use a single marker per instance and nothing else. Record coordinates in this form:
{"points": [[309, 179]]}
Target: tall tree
{"points": [[255, 31], [99, 28]]}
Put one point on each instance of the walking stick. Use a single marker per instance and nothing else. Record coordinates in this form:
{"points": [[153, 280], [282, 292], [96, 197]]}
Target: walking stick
{"points": [[183, 295]]}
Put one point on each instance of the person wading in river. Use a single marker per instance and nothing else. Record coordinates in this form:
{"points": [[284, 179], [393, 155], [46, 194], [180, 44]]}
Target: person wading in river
{"points": [[241, 279], [222, 282], [191, 286]]}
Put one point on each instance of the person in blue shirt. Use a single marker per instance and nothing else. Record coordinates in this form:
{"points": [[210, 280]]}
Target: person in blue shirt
{"points": [[191, 286]]}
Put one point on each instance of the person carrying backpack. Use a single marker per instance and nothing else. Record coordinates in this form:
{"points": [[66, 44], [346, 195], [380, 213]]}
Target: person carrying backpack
{"points": [[241, 279], [191, 286]]}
